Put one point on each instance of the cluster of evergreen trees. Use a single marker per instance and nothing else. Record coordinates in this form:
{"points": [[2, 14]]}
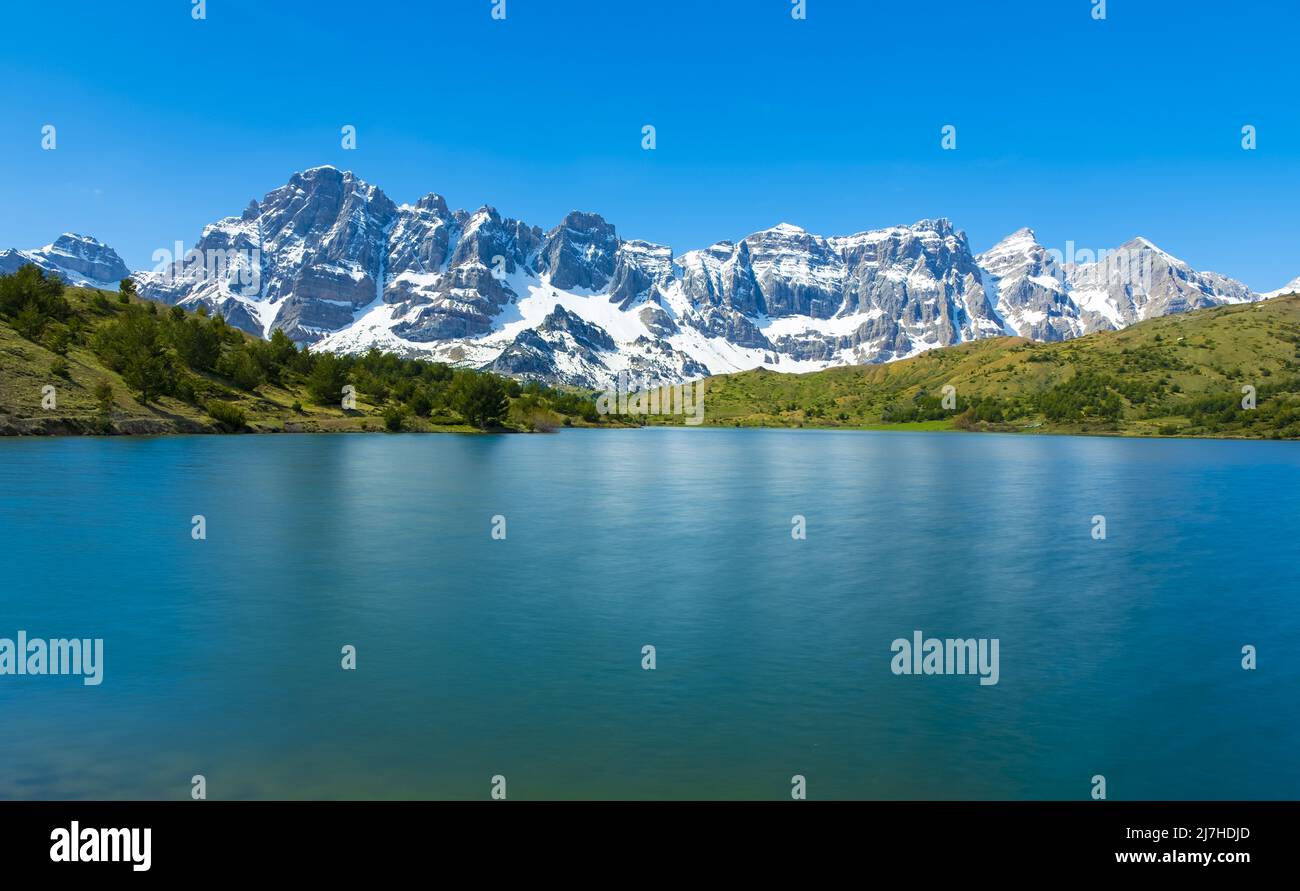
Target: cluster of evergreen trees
{"points": [[200, 359], [1093, 397], [34, 304], [1277, 411], [925, 406], [1086, 396]]}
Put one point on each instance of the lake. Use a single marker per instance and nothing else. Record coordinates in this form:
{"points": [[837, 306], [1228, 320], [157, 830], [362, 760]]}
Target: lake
{"points": [[522, 656]]}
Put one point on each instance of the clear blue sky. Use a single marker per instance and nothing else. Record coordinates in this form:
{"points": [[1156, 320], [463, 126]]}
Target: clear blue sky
{"points": [[1088, 130]]}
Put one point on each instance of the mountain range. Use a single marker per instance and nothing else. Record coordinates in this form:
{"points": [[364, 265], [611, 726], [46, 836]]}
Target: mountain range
{"points": [[335, 263]]}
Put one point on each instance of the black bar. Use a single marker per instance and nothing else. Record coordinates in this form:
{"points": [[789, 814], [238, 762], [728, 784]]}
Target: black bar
{"points": [[332, 840]]}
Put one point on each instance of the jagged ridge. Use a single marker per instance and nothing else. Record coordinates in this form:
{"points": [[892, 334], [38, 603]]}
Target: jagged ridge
{"points": [[332, 261]]}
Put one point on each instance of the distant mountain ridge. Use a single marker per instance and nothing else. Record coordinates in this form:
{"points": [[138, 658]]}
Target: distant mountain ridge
{"points": [[334, 262], [77, 259]]}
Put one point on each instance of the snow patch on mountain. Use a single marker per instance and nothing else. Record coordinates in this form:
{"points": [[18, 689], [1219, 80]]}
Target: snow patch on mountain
{"points": [[1291, 287]]}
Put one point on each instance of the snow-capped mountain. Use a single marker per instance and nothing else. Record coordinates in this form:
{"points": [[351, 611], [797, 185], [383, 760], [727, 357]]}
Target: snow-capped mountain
{"points": [[1049, 297], [1140, 281], [335, 263], [1291, 287], [77, 259], [1030, 288]]}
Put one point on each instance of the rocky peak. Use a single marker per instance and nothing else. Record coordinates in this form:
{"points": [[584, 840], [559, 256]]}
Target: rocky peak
{"points": [[1029, 289], [580, 252], [435, 203], [86, 256], [642, 272], [1019, 254], [590, 336], [77, 259], [485, 235]]}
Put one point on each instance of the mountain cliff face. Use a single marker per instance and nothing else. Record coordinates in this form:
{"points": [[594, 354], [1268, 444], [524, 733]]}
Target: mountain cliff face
{"points": [[335, 263]]}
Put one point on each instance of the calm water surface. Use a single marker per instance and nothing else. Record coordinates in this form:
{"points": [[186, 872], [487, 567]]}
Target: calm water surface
{"points": [[522, 657]]}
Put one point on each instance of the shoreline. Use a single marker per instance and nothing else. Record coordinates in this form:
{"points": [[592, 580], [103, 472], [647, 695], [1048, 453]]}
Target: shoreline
{"points": [[7, 431]]}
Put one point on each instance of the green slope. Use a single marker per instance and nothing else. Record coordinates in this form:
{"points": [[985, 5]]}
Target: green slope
{"points": [[1176, 375]]}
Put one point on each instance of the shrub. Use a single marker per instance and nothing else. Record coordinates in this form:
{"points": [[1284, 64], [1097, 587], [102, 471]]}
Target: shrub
{"points": [[327, 378], [103, 393], [240, 366], [29, 322], [394, 419], [541, 421], [481, 400], [57, 338], [230, 417], [185, 391], [194, 340], [420, 403]]}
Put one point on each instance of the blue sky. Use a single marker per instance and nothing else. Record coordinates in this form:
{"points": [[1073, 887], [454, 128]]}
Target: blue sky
{"points": [[1088, 130]]}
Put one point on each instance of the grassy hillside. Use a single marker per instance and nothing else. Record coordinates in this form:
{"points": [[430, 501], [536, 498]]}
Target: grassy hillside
{"points": [[118, 364], [1180, 375]]}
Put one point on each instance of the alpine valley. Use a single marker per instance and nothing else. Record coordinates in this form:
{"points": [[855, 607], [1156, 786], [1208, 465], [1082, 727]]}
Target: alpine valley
{"points": [[335, 263]]}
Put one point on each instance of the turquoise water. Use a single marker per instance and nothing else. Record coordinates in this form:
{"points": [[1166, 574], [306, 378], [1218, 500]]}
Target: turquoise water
{"points": [[522, 657]]}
